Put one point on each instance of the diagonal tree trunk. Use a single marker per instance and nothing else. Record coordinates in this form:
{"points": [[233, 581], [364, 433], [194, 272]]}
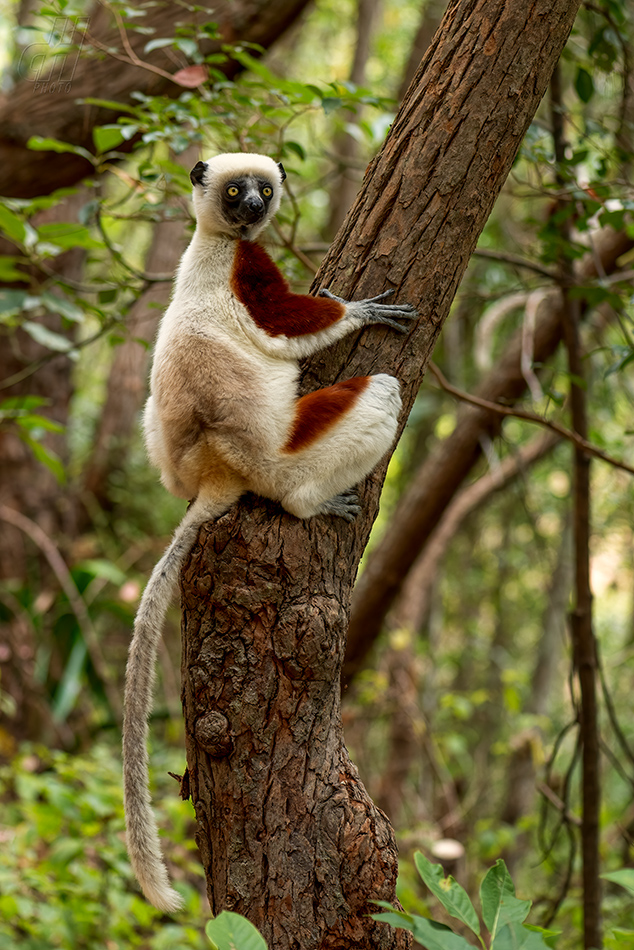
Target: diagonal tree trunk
{"points": [[287, 833]]}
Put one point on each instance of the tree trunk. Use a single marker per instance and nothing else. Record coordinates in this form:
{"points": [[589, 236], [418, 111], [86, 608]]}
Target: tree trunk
{"points": [[435, 484], [287, 833], [45, 105]]}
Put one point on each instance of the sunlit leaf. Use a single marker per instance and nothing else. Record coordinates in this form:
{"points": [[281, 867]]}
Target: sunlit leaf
{"points": [[451, 895], [229, 931]]}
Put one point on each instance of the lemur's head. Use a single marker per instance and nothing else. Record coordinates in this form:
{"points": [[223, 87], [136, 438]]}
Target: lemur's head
{"points": [[236, 194]]}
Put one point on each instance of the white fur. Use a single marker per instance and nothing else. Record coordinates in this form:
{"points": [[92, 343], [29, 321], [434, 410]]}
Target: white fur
{"points": [[244, 383]]}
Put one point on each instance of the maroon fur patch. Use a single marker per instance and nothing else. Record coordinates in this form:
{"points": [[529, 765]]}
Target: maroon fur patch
{"points": [[316, 412], [261, 288]]}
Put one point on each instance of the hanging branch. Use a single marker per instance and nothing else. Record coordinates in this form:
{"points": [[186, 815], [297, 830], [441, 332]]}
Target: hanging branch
{"points": [[583, 642]]}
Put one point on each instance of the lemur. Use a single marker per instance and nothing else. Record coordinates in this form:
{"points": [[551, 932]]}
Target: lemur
{"points": [[224, 417]]}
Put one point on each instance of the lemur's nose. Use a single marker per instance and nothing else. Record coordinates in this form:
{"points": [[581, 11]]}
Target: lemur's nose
{"points": [[254, 203]]}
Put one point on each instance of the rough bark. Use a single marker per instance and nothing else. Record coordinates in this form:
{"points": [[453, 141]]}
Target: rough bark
{"points": [[431, 491], [45, 105], [287, 833]]}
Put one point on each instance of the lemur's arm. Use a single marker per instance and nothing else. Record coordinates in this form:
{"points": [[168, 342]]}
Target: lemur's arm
{"points": [[296, 325]]}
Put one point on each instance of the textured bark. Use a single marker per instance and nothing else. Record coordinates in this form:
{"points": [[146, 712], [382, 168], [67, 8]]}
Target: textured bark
{"points": [[287, 833], [441, 475], [47, 106]]}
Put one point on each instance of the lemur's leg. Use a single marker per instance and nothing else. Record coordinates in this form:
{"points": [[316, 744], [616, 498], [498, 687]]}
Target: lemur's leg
{"points": [[338, 436]]}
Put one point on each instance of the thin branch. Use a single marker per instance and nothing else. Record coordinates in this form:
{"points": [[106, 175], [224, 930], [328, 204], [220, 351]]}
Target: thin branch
{"points": [[294, 249], [561, 806], [516, 260], [529, 417]]}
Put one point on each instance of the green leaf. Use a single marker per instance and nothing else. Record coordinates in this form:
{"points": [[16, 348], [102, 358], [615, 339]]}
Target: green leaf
{"points": [[516, 936], [331, 104], [12, 225], [109, 104], [107, 137], [430, 933], [46, 457], [584, 85], [100, 567], [451, 895], [39, 144], [436, 936], [9, 271], [68, 234], [497, 896], [624, 877], [46, 337], [12, 301], [229, 931]]}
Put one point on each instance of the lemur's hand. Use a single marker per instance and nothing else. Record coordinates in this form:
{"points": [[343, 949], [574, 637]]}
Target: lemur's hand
{"points": [[371, 311]]}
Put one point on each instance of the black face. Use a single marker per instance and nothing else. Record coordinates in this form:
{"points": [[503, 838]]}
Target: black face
{"points": [[245, 200]]}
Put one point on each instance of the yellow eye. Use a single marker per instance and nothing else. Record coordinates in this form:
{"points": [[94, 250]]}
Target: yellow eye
{"points": [[267, 191], [233, 191]]}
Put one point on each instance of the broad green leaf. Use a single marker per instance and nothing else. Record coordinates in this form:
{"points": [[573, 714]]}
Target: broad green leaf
{"points": [[516, 936], [451, 895], [107, 137], [584, 85], [436, 936], [12, 225], [331, 104], [46, 457], [100, 567], [109, 104], [9, 271], [67, 234], [229, 931], [71, 682], [497, 896], [624, 877], [63, 306], [42, 334], [39, 144], [12, 301], [432, 934], [34, 422], [396, 918]]}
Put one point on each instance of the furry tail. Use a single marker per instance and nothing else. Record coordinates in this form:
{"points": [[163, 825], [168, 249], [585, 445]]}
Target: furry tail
{"points": [[142, 833]]}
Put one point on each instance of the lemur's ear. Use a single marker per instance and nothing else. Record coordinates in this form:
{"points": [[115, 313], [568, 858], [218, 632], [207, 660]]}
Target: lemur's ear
{"points": [[197, 174], [282, 172]]}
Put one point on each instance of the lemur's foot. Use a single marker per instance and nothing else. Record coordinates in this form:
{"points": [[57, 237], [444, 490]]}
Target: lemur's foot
{"points": [[344, 506], [371, 311]]}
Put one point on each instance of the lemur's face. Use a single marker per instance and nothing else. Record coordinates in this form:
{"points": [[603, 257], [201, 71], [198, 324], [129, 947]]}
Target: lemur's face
{"points": [[236, 195]]}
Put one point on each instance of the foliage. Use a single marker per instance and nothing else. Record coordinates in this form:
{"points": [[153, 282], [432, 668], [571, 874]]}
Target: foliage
{"points": [[65, 881], [229, 931], [475, 658], [502, 912]]}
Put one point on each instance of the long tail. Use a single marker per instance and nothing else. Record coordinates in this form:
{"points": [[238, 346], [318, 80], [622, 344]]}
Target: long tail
{"points": [[142, 833]]}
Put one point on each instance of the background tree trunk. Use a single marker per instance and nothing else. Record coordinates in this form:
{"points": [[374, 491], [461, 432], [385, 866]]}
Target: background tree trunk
{"points": [[422, 505], [287, 833]]}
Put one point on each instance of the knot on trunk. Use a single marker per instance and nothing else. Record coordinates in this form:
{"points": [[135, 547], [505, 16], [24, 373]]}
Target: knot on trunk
{"points": [[213, 734]]}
